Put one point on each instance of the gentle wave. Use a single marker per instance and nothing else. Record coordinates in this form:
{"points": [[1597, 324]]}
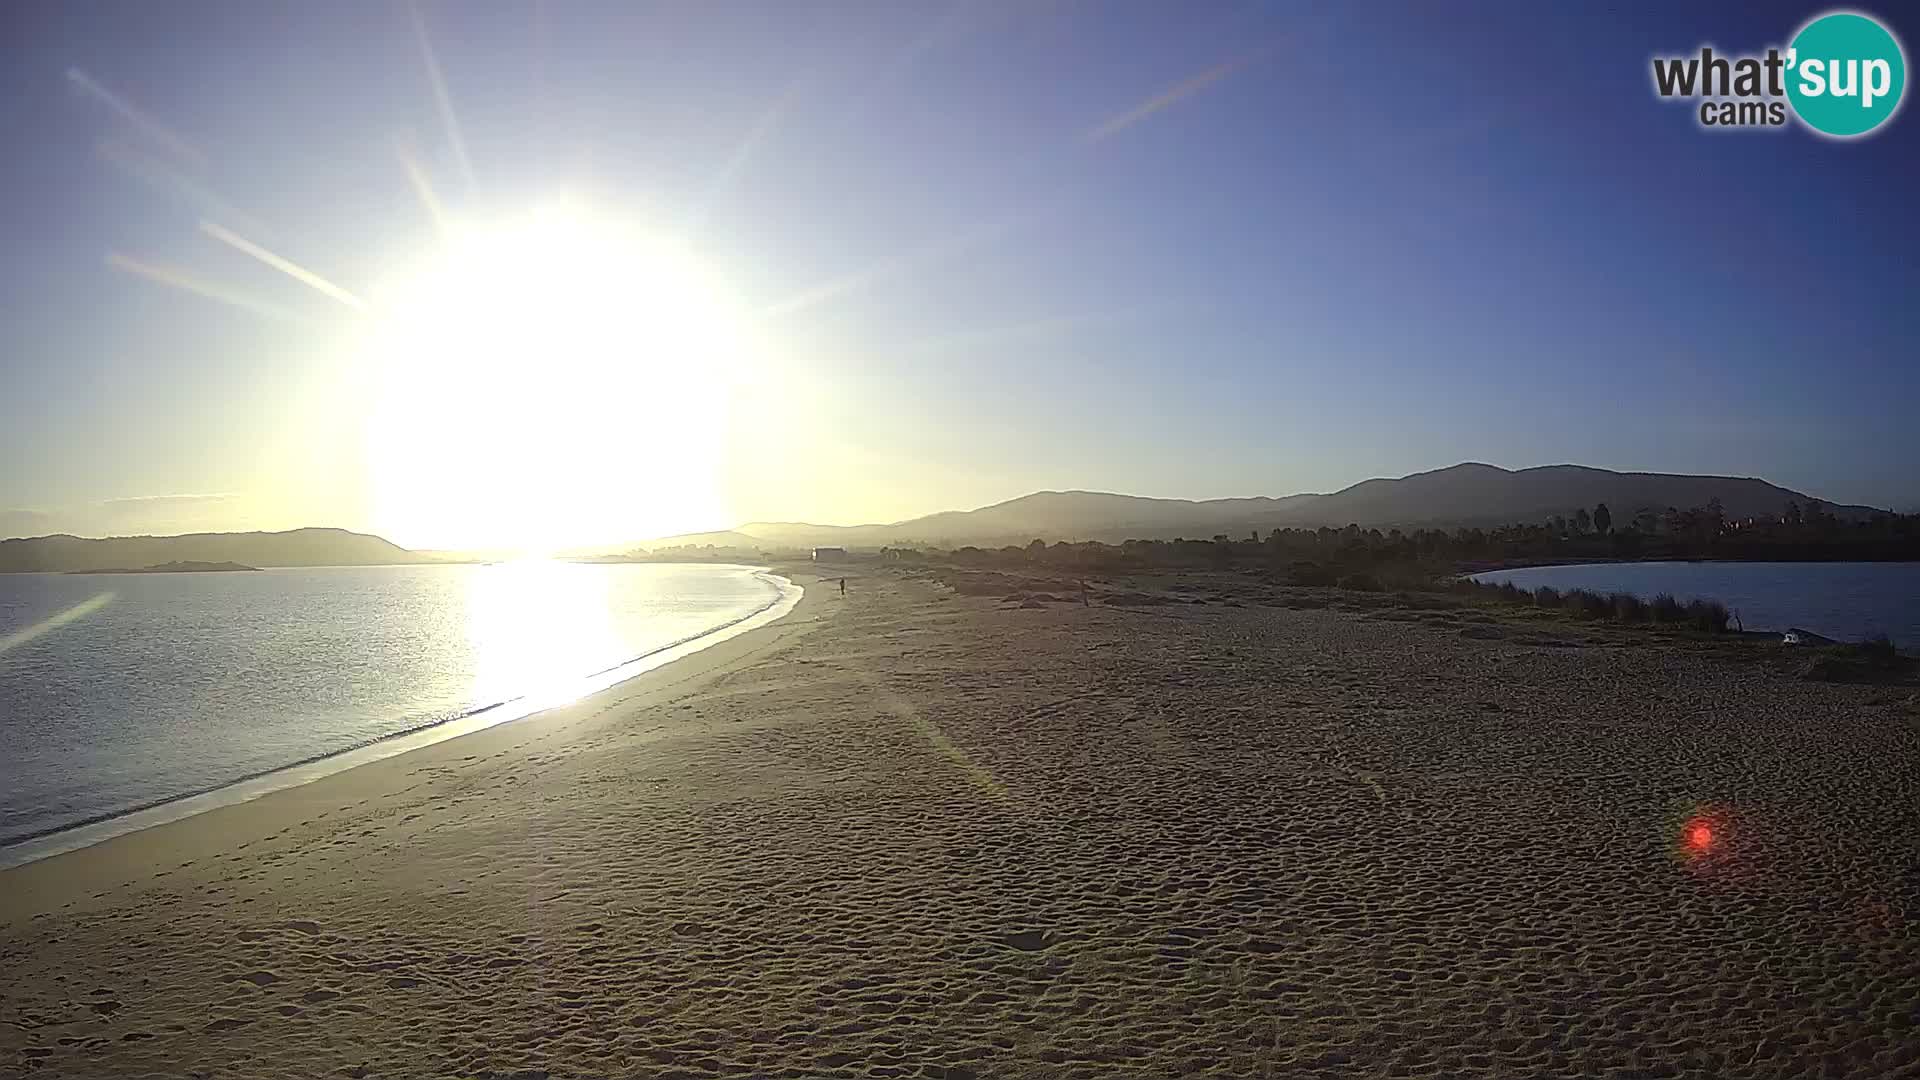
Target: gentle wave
{"points": [[73, 833]]}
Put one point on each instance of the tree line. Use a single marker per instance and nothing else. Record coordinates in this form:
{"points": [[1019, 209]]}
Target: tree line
{"points": [[1322, 555]]}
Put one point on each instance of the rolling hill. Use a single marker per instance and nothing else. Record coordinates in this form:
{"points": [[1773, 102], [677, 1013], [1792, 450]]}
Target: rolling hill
{"points": [[1474, 494], [1469, 494], [296, 547]]}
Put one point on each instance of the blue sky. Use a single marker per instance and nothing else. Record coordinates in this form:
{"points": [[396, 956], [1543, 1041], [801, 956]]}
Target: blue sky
{"points": [[1170, 249]]}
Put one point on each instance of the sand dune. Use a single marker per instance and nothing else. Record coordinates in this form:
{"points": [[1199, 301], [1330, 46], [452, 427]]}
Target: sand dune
{"points": [[919, 834]]}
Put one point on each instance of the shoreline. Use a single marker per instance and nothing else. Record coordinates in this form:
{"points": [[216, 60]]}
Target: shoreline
{"points": [[76, 836], [918, 832], [1488, 566], [1830, 602]]}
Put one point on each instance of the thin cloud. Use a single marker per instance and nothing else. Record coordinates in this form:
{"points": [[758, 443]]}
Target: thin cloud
{"points": [[1172, 96], [168, 512], [173, 499]]}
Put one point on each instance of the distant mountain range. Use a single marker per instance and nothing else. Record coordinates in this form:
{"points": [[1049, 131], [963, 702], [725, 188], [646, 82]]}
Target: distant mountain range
{"points": [[298, 547], [1465, 495]]}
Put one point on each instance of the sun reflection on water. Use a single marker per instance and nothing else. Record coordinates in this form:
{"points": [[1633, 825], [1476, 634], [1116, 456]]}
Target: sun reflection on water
{"points": [[536, 628]]}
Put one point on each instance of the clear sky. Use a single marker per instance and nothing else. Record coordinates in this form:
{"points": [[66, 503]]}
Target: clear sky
{"points": [[944, 254]]}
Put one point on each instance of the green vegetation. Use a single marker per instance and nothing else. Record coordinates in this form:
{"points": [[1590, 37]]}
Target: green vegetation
{"points": [[1370, 570], [1707, 615], [1357, 561], [1322, 557], [1874, 660]]}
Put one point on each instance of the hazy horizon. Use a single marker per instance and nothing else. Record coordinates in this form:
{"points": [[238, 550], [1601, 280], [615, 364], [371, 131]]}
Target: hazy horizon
{"points": [[803, 522], [114, 507], [562, 275]]}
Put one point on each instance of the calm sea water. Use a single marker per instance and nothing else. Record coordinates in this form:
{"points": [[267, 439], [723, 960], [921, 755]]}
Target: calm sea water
{"points": [[1848, 601], [147, 687]]}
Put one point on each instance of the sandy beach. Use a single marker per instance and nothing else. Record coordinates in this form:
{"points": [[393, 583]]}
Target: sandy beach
{"points": [[914, 833]]}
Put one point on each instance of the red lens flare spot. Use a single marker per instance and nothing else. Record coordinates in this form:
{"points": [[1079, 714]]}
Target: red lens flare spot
{"points": [[1705, 838]]}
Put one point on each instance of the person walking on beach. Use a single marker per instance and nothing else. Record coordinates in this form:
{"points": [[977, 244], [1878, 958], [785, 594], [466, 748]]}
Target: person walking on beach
{"points": [[843, 587]]}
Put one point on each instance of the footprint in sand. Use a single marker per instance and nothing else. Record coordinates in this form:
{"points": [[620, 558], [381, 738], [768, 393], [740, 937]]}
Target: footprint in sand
{"points": [[1025, 940]]}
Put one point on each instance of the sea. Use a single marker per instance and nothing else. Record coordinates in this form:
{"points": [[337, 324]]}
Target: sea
{"points": [[1847, 601], [129, 699]]}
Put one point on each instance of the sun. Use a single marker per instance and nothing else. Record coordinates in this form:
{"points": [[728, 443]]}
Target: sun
{"points": [[551, 381]]}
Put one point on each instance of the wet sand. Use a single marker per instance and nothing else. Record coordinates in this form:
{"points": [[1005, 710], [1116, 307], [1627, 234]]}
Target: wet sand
{"points": [[918, 834]]}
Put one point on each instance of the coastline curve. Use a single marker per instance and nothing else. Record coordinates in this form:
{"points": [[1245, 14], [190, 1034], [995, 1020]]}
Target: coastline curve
{"points": [[76, 835]]}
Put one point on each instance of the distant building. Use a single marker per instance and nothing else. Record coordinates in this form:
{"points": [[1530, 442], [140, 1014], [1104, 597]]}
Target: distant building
{"points": [[829, 554]]}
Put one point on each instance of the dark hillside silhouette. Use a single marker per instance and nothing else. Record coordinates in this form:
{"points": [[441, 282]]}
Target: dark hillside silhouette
{"points": [[297, 547], [1467, 495]]}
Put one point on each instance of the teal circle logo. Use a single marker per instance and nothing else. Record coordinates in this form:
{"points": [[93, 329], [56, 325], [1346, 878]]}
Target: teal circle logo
{"points": [[1845, 74]]}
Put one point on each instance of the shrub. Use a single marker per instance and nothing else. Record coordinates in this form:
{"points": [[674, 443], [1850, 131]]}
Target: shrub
{"points": [[1665, 609], [1547, 596], [1873, 660], [1423, 601], [1708, 615], [1588, 605], [1310, 574], [1135, 599], [1878, 649], [1627, 607], [1359, 583]]}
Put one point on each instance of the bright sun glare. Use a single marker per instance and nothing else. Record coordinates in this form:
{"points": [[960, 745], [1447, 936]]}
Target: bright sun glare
{"points": [[549, 381]]}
